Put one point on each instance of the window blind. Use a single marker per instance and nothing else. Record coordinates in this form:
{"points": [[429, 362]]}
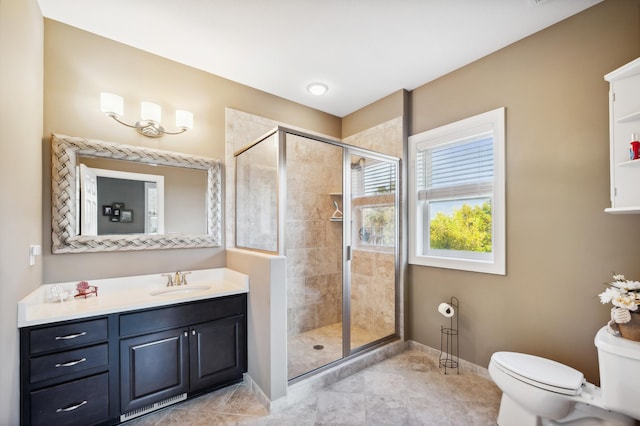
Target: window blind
{"points": [[457, 169], [374, 178]]}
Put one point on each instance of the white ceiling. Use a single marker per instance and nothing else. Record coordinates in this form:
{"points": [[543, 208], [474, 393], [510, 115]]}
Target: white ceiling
{"points": [[362, 49]]}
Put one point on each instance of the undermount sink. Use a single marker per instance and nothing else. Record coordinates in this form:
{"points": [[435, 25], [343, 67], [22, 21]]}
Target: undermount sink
{"points": [[189, 288]]}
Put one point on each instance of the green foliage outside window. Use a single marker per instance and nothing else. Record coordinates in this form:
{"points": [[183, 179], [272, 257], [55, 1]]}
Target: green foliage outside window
{"points": [[466, 229], [379, 225]]}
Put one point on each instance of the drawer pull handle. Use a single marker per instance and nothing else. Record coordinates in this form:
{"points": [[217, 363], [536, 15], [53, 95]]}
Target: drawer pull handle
{"points": [[71, 408], [71, 363], [71, 336]]}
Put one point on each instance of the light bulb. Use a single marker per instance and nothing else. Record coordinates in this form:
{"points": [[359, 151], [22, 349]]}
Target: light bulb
{"points": [[317, 89], [111, 104], [150, 112], [184, 119]]}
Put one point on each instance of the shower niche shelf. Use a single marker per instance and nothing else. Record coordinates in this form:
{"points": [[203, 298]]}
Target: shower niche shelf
{"points": [[337, 214]]}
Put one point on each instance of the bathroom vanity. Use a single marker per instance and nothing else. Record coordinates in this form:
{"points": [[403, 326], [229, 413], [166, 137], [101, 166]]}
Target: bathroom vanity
{"points": [[136, 347]]}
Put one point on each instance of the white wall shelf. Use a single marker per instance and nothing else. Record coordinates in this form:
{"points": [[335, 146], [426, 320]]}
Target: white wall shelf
{"points": [[624, 122], [628, 118], [623, 210], [631, 163]]}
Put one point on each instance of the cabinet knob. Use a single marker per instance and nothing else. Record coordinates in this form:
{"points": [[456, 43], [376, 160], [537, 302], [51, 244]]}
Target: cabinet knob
{"points": [[186, 334], [193, 332]]}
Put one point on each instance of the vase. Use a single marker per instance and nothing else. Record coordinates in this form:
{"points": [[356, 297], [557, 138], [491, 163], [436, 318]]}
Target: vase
{"points": [[631, 329]]}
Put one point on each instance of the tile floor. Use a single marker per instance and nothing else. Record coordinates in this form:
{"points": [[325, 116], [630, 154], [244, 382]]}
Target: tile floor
{"points": [[304, 358], [408, 389]]}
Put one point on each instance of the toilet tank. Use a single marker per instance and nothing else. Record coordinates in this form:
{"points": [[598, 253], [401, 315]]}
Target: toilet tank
{"points": [[619, 361]]}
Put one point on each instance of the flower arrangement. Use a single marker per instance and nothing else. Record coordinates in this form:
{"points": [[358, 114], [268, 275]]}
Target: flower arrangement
{"points": [[624, 295]]}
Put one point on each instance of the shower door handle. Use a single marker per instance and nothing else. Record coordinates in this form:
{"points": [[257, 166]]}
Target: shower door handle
{"points": [[348, 253]]}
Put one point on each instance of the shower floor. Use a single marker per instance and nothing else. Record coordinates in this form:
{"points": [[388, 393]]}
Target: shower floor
{"points": [[302, 357]]}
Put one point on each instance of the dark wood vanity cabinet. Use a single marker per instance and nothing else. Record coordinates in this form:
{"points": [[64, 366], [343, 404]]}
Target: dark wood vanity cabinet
{"points": [[67, 373], [90, 372], [188, 348]]}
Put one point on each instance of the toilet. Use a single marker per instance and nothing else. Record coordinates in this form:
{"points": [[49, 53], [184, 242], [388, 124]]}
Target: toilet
{"points": [[538, 391]]}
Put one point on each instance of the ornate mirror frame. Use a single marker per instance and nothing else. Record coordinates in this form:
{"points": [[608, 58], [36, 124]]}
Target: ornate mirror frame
{"points": [[64, 153]]}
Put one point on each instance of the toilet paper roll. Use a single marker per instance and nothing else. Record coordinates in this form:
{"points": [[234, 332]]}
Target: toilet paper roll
{"points": [[446, 310]]}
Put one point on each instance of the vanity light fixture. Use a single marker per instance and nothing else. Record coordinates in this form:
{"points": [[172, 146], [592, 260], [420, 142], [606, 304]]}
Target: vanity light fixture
{"points": [[317, 89], [149, 124]]}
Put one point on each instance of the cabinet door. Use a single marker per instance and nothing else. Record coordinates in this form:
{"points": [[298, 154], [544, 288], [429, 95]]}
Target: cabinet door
{"points": [[153, 367], [218, 352]]}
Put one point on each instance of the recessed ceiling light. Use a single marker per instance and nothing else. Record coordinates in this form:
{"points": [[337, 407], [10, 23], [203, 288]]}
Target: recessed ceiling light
{"points": [[317, 89]]}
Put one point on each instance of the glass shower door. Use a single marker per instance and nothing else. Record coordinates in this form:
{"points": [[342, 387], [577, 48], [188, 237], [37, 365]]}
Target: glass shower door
{"points": [[313, 241], [373, 259]]}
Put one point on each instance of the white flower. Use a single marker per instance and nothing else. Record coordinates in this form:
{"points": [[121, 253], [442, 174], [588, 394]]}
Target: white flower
{"points": [[619, 284], [625, 301], [608, 295], [632, 285], [623, 294]]}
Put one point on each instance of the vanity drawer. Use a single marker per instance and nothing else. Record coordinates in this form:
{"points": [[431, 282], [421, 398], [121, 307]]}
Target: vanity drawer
{"points": [[81, 402], [60, 364], [176, 316], [67, 336]]}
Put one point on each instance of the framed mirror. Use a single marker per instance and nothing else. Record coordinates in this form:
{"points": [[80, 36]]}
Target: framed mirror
{"points": [[188, 202]]}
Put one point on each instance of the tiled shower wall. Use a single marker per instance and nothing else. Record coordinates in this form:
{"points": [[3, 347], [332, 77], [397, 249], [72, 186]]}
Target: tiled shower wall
{"points": [[373, 292], [314, 243]]}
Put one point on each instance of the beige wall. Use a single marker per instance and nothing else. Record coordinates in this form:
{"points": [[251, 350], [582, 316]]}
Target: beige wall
{"points": [[78, 66], [21, 41], [561, 246]]}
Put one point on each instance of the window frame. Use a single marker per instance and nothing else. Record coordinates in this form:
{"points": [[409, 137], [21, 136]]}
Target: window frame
{"points": [[492, 122]]}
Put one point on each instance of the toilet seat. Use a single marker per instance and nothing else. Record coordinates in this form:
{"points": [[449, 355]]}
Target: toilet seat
{"points": [[540, 372]]}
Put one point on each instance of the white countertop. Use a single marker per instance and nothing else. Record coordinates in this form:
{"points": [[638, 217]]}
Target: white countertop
{"points": [[127, 294]]}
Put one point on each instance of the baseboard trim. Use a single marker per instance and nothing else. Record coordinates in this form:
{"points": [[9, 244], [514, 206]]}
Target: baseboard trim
{"points": [[435, 353]]}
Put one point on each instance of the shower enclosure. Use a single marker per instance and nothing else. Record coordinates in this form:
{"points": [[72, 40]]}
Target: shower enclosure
{"points": [[332, 210]]}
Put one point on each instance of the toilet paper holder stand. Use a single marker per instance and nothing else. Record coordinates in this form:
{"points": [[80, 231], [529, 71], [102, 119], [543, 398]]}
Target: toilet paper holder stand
{"points": [[449, 349]]}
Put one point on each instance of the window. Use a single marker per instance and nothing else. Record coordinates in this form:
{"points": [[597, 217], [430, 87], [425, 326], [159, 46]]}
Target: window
{"points": [[456, 195], [373, 185]]}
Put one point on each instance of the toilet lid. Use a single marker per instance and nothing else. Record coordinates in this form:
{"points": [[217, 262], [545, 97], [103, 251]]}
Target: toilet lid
{"points": [[540, 372]]}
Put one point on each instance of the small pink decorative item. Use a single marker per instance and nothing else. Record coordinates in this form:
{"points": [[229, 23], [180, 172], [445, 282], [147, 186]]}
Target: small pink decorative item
{"points": [[84, 289]]}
